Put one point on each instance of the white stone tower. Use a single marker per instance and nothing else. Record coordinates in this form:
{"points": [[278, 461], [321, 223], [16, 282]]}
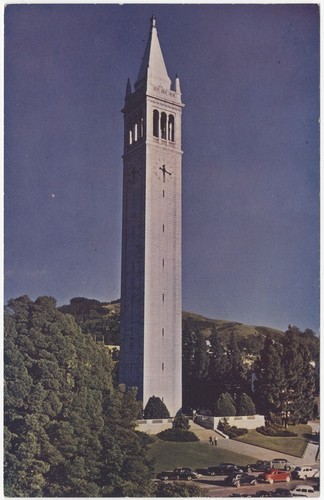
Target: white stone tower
{"points": [[151, 309]]}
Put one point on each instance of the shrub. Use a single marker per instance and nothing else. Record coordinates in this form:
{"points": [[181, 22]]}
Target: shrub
{"points": [[144, 438], [177, 435], [275, 431], [155, 408], [181, 422], [232, 432]]}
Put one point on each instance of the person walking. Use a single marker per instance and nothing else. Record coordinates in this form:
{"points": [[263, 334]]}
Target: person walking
{"points": [[210, 440], [215, 441]]}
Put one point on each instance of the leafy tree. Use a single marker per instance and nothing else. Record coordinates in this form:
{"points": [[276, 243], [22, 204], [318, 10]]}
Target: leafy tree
{"points": [[68, 432], [245, 405], [94, 319], [181, 422], [225, 406], [178, 490], [155, 408]]}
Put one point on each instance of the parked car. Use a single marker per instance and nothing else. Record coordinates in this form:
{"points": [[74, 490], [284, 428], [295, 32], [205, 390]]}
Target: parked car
{"points": [[165, 475], [205, 472], [274, 475], [304, 472], [225, 469], [304, 491], [260, 465], [239, 479], [186, 470], [280, 492], [262, 493], [174, 475], [281, 464]]}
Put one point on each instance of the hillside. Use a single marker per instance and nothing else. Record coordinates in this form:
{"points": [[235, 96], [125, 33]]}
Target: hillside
{"points": [[225, 327], [102, 321]]}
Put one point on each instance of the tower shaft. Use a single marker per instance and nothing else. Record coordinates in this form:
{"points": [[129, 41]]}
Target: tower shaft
{"points": [[151, 309]]}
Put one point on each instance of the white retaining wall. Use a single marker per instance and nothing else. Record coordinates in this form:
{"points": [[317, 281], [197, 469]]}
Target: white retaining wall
{"points": [[154, 426], [246, 421]]}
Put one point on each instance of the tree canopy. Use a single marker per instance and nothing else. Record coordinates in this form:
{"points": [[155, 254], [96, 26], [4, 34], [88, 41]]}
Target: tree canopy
{"points": [[68, 431]]}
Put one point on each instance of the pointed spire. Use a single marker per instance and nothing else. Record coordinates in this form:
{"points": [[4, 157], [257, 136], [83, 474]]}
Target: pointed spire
{"points": [[153, 68], [128, 89]]}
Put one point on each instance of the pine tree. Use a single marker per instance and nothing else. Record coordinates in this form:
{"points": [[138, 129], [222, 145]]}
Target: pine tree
{"points": [[245, 405], [235, 374], [217, 368], [225, 406], [270, 379], [298, 394], [155, 408]]}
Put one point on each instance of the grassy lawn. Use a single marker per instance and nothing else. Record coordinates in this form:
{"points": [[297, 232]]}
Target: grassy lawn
{"points": [[291, 445], [168, 455]]}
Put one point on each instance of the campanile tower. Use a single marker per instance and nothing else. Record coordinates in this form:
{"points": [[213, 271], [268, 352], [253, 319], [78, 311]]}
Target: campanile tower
{"points": [[151, 310]]}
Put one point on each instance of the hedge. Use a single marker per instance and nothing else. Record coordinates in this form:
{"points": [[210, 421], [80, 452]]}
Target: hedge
{"points": [[275, 431], [177, 435]]}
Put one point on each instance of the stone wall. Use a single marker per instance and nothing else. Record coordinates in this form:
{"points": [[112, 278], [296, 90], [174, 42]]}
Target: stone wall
{"points": [[154, 426], [246, 421]]}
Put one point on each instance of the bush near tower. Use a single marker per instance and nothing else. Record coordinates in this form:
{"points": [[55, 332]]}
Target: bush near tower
{"points": [[155, 408]]}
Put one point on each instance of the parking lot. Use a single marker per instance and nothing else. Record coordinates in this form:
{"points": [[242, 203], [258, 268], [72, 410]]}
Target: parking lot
{"points": [[215, 487]]}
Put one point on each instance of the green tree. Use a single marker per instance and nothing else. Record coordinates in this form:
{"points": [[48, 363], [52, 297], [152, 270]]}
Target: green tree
{"points": [[194, 368], [225, 406], [155, 408], [235, 374], [270, 378], [217, 368], [245, 405], [299, 388], [61, 410], [188, 369], [178, 490]]}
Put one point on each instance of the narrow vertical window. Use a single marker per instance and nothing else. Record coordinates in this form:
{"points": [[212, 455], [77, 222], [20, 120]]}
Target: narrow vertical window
{"points": [[135, 128], [163, 125], [156, 123], [163, 227], [142, 127], [171, 128], [162, 297], [163, 193], [162, 366], [130, 136], [162, 332], [162, 262]]}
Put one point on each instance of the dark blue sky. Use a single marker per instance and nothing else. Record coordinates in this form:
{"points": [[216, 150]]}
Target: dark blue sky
{"points": [[250, 82]]}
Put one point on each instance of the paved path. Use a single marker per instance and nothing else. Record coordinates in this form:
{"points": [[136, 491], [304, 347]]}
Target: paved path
{"points": [[309, 457]]}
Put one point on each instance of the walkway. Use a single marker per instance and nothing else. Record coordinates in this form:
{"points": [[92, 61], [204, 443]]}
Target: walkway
{"points": [[309, 457]]}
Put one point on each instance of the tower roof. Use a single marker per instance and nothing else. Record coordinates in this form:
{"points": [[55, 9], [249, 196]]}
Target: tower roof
{"points": [[153, 68]]}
